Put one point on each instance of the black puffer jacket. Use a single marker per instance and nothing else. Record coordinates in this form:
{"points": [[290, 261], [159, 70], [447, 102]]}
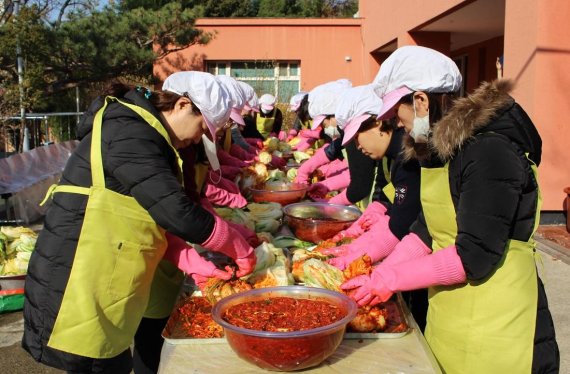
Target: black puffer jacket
{"points": [[484, 138], [137, 162]]}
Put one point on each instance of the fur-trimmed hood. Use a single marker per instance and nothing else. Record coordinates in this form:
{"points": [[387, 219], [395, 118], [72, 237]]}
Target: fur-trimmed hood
{"points": [[488, 108]]}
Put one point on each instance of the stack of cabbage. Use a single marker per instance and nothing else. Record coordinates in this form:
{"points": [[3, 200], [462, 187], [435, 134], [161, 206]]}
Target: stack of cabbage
{"points": [[271, 269], [261, 217], [16, 246]]}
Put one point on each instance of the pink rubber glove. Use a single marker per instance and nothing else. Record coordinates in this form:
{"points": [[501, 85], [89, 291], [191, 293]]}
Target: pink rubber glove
{"points": [[226, 159], [307, 167], [292, 133], [334, 167], [304, 144], [373, 212], [377, 243], [249, 235], [185, 257], [224, 193], [409, 248], [282, 136], [240, 153], [226, 240], [320, 189], [340, 199], [230, 172], [337, 182], [257, 143], [311, 134], [442, 268]]}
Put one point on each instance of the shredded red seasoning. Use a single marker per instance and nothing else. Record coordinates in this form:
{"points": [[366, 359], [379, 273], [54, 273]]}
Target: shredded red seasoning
{"points": [[196, 314], [282, 314]]}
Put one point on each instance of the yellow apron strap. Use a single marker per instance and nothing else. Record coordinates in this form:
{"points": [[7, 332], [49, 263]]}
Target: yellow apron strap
{"points": [[97, 173], [200, 174], [64, 188], [389, 189]]}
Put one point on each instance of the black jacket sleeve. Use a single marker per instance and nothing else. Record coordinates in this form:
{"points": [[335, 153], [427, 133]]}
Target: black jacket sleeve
{"points": [[142, 162], [298, 125], [278, 123], [361, 168], [250, 129], [334, 150], [489, 185], [406, 207]]}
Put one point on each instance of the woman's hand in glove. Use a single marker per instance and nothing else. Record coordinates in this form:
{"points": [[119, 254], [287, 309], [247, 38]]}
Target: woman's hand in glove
{"points": [[185, 257], [372, 214], [441, 268], [227, 240], [377, 243], [224, 193], [307, 167], [317, 191]]}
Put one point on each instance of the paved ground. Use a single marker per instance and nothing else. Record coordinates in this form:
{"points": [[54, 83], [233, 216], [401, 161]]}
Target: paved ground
{"points": [[555, 274]]}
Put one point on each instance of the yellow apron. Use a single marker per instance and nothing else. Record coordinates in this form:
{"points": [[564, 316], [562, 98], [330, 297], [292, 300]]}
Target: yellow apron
{"points": [[480, 327], [200, 175], [307, 124], [118, 252], [164, 290], [265, 124]]}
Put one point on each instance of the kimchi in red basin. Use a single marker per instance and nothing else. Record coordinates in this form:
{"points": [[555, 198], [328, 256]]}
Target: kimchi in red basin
{"points": [[285, 328]]}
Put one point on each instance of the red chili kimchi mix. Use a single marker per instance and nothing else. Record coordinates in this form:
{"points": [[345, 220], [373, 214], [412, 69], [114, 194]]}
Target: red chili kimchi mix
{"points": [[283, 314], [196, 317]]}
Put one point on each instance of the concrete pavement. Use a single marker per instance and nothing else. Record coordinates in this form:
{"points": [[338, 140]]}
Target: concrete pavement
{"points": [[555, 273]]}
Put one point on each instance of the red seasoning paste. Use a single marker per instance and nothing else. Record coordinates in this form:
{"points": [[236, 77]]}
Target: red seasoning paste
{"points": [[283, 314], [196, 317]]}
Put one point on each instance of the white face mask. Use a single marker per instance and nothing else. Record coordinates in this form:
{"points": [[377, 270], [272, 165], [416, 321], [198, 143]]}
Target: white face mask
{"points": [[332, 132], [210, 148], [420, 128], [266, 111]]}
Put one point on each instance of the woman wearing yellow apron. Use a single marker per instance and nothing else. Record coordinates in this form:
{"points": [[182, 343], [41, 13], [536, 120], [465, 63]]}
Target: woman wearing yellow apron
{"points": [[270, 119], [381, 182], [90, 275], [472, 245], [323, 101]]}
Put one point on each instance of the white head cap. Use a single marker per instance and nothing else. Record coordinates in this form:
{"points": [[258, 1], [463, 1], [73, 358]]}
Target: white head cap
{"points": [[295, 101], [324, 99], [237, 95], [414, 68], [267, 102], [205, 92], [356, 105], [252, 102]]}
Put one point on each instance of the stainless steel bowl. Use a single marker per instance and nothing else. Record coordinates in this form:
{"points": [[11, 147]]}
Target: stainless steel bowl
{"points": [[314, 222]]}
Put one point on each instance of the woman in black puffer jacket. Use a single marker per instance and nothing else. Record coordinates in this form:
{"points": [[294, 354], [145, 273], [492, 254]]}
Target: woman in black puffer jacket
{"points": [[89, 277], [472, 244]]}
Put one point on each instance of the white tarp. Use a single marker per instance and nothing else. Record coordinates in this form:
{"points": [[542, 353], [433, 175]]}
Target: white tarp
{"points": [[25, 177]]}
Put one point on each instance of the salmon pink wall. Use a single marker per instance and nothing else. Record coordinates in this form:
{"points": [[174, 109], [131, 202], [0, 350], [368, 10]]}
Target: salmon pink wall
{"points": [[481, 61], [386, 21], [537, 55], [320, 45]]}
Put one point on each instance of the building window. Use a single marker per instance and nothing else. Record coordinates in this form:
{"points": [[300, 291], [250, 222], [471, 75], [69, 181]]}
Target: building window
{"points": [[279, 78]]}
